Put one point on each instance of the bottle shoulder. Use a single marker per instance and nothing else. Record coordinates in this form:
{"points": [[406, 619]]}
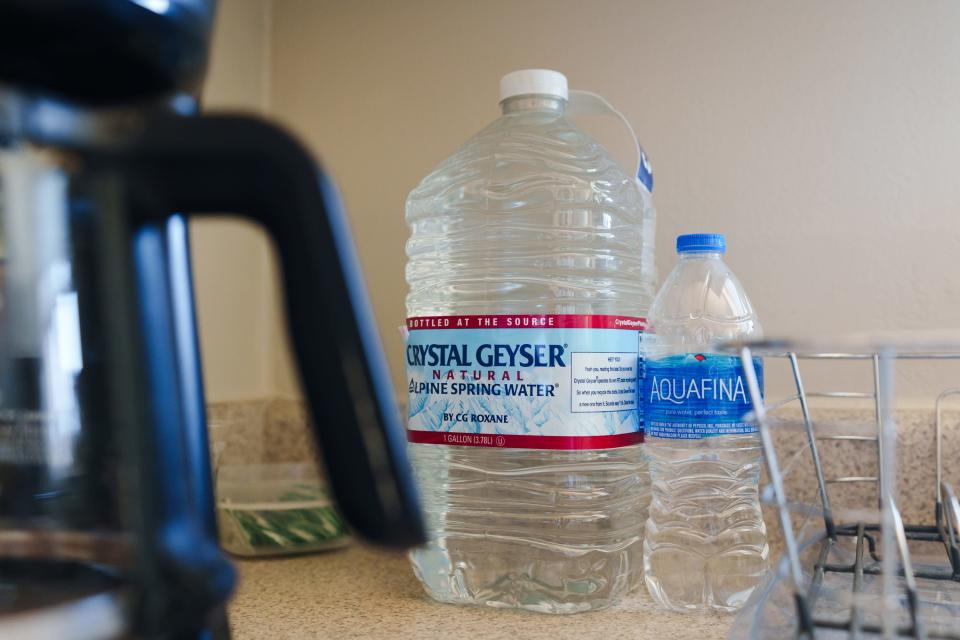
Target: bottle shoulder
{"points": [[518, 154], [702, 301]]}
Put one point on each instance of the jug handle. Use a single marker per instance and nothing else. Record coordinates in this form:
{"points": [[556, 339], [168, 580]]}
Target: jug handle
{"points": [[589, 103], [244, 165]]}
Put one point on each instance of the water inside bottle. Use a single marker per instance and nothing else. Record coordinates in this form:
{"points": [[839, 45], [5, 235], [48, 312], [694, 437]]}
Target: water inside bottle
{"points": [[705, 544], [530, 219]]}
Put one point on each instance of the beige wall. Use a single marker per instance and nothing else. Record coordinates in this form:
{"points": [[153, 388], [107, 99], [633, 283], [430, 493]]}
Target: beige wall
{"points": [[234, 288], [823, 138]]}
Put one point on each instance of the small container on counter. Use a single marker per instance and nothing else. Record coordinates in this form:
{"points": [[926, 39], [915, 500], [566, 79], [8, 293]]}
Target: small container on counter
{"points": [[276, 509]]}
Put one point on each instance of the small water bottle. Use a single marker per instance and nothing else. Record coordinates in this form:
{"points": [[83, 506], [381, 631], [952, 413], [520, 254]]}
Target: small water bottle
{"points": [[706, 544]]}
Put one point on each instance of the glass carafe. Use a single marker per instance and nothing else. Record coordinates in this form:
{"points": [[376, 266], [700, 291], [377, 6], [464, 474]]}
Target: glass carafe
{"points": [[105, 495]]}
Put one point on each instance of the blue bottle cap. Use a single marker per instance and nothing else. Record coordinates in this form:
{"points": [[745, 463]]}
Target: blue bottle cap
{"points": [[692, 242]]}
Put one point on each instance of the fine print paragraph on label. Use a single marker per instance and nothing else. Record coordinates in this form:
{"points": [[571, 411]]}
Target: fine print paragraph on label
{"points": [[603, 382]]}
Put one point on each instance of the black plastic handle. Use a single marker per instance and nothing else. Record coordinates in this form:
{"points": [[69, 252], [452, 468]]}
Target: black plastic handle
{"points": [[243, 165]]}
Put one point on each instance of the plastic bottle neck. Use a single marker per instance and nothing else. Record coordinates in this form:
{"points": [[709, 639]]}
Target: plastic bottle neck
{"points": [[701, 255], [550, 104]]}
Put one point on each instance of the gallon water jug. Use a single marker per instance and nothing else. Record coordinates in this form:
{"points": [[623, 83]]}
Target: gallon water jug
{"points": [[530, 272]]}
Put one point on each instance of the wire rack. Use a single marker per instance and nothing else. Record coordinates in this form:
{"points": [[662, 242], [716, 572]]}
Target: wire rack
{"points": [[851, 573]]}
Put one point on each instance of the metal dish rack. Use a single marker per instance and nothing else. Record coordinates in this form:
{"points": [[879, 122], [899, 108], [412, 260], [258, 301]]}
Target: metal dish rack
{"points": [[853, 579]]}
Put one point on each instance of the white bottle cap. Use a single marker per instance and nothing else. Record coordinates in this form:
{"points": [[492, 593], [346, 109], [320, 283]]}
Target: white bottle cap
{"points": [[533, 82]]}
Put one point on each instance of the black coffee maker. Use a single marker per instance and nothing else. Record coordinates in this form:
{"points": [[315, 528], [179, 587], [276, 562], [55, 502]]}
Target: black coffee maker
{"points": [[106, 512]]}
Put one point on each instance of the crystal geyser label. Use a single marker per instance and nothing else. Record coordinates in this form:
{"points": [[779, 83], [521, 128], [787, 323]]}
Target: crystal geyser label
{"points": [[524, 381]]}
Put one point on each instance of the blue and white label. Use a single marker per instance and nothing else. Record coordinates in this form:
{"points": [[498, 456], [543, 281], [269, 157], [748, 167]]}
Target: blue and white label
{"points": [[645, 172], [697, 395]]}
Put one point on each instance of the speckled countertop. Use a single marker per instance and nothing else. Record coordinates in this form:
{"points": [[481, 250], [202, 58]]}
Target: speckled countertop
{"points": [[359, 592], [362, 593]]}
